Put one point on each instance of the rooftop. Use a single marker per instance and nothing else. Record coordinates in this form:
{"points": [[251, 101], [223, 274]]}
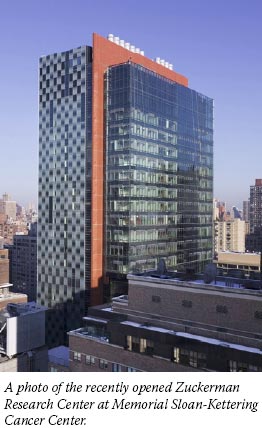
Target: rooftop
{"points": [[239, 286], [59, 355], [93, 332], [195, 337], [21, 309]]}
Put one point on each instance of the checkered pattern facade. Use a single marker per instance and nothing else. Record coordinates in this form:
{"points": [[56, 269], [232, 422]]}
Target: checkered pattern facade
{"points": [[65, 83]]}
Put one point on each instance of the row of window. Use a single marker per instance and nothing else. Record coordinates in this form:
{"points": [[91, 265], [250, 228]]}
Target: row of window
{"points": [[143, 161], [142, 235], [138, 344], [199, 360], [145, 177], [190, 358], [222, 309], [139, 115], [142, 191], [142, 146], [142, 131], [103, 364], [143, 250], [145, 220], [143, 206]]}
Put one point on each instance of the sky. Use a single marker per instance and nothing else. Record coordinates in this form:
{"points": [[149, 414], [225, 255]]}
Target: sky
{"points": [[216, 44]]}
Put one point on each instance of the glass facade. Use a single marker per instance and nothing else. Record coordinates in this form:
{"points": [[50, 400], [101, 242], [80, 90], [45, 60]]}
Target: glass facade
{"points": [[64, 247], [157, 197], [159, 172]]}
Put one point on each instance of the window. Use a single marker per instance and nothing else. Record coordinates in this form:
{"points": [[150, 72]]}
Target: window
{"points": [[90, 360], [147, 346], [258, 315], [133, 343], [116, 367], [221, 309], [190, 358], [156, 299], [187, 303], [50, 210], [176, 355], [238, 366], [77, 356], [103, 364]]}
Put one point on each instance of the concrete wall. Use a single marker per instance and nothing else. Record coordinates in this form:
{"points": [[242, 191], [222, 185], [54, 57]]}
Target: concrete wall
{"points": [[112, 353], [25, 332], [220, 306]]}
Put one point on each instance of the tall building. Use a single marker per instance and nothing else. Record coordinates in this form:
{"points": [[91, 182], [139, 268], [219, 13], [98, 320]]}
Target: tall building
{"points": [[237, 213], [256, 205], [23, 263], [254, 241], [219, 210], [125, 175], [8, 207], [230, 235], [7, 296], [246, 208]]}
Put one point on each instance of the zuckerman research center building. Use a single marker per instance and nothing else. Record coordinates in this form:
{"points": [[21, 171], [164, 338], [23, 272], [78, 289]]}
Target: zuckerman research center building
{"points": [[125, 175]]}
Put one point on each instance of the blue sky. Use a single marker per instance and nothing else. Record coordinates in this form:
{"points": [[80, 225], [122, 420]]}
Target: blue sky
{"points": [[216, 44]]}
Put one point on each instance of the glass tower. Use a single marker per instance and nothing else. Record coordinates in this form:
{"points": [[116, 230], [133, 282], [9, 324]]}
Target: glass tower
{"points": [[159, 172], [125, 176]]}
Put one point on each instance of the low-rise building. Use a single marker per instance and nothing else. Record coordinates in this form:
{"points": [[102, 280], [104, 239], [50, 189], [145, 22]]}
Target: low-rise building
{"points": [[166, 324], [247, 264], [22, 338], [58, 359]]}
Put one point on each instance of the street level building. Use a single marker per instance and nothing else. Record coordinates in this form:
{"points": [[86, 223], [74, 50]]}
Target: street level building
{"points": [[125, 175]]}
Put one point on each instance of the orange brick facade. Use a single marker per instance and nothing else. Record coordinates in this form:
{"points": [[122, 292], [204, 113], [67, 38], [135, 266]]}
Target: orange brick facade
{"points": [[105, 54]]}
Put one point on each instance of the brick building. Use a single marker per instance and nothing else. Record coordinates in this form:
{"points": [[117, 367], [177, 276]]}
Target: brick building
{"points": [[161, 326]]}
